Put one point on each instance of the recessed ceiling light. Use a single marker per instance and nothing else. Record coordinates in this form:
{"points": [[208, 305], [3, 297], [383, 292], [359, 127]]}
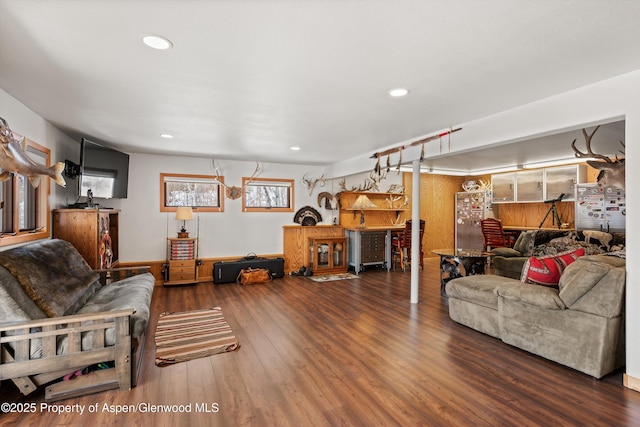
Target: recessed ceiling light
{"points": [[166, 135], [398, 92], [294, 148], [156, 42]]}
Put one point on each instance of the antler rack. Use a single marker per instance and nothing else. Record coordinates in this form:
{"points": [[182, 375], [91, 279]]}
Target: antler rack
{"points": [[404, 147], [399, 149]]}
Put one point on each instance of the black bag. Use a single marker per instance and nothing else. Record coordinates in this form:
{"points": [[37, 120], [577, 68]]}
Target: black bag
{"points": [[227, 271]]}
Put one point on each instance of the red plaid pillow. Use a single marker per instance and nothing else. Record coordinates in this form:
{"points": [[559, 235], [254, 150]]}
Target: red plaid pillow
{"points": [[546, 270]]}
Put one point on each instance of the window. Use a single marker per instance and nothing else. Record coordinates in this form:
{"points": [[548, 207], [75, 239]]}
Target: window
{"points": [[201, 192], [267, 195], [25, 213]]}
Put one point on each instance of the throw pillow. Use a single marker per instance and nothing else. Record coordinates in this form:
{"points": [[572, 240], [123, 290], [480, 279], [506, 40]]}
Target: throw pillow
{"points": [[523, 242], [547, 270]]}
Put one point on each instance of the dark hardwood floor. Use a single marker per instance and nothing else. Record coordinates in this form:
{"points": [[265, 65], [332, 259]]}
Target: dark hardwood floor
{"points": [[354, 353]]}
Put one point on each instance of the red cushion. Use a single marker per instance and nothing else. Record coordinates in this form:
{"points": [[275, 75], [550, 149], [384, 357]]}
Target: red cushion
{"points": [[547, 270]]}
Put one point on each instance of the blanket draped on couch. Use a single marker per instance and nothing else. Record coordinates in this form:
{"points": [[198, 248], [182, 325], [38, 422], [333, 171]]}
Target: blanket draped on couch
{"points": [[58, 282]]}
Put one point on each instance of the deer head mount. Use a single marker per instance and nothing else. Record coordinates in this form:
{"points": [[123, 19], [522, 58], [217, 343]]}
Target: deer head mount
{"points": [[611, 171], [310, 184], [234, 192]]}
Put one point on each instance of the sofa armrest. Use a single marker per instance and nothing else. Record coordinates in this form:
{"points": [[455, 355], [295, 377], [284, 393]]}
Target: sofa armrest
{"points": [[509, 266], [536, 295], [114, 274], [16, 340]]}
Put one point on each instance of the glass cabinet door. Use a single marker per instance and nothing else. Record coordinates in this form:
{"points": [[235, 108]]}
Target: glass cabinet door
{"points": [[529, 185], [561, 181], [503, 187]]}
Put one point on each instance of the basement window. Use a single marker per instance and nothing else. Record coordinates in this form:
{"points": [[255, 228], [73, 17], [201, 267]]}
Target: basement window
{"points": [[267, 195], [24, 215], [201, 192]]}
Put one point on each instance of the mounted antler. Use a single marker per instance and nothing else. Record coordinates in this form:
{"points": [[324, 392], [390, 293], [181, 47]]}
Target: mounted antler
{"points": [[235, 192], [310, 184], [611, 171]]}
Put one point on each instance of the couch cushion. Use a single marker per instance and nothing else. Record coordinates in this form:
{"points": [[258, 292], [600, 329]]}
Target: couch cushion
{"points": [[479, 289], [594, 284], [539, 296], [506, 252], [133, 292], [523, 243], [548, 269]]}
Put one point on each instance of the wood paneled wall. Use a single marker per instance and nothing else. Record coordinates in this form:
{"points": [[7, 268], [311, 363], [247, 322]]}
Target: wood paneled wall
{"points": [[437, 200]]}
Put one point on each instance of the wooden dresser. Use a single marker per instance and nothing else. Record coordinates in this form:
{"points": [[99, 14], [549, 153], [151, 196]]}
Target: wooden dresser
{"points": [[93, 232]]}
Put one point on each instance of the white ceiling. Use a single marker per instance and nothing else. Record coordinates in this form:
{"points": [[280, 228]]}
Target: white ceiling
{"points": [[249, 79]]}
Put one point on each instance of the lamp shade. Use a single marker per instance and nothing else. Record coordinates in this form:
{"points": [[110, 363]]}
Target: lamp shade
{"points": [[363, 202], [184, 213]]}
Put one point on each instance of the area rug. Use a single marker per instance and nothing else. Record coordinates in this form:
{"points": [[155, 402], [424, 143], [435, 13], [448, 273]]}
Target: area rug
{"points": [[192, 334], [332, 277]]}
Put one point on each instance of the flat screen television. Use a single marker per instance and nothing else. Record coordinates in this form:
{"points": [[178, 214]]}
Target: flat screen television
{"points": [[103, 170]]}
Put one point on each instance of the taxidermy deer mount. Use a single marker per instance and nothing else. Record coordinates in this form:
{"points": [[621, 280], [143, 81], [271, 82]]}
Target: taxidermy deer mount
{"points": [[310, 184], [611, 171], [234, 192]]}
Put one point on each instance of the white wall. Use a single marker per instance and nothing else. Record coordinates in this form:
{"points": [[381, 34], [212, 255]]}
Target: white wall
{"points": [[144, 228]]}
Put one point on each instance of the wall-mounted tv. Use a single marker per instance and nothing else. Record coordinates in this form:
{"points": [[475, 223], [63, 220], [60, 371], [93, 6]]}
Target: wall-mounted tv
{"points": [[103, 170]]}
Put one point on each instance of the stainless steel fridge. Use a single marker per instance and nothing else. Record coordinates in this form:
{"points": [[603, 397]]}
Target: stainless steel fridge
{"points": [[600, 208], [471, 208]]}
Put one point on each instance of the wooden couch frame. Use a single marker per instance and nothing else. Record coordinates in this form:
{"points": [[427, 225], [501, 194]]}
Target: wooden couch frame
{"points": [[28, 374]]}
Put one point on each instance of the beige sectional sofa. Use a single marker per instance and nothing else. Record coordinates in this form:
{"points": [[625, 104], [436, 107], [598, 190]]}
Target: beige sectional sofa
{"points": [[580, 324]]}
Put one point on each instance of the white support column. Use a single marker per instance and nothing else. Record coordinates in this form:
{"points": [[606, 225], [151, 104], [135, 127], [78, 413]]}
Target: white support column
{"points": [[415, 232]]}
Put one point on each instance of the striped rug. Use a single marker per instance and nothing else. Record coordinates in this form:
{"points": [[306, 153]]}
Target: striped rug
{"points": [[192, 334]]}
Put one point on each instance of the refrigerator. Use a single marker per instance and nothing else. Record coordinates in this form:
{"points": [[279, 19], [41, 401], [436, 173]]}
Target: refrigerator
{"points": [[471, 208], [600, 208]]}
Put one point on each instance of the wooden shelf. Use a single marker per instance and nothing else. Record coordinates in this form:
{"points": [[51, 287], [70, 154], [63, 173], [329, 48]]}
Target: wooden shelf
{"points": [[382, 215]]}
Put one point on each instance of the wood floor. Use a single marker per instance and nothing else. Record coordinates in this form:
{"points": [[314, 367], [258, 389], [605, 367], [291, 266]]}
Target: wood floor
{"points": [[353, 353]]}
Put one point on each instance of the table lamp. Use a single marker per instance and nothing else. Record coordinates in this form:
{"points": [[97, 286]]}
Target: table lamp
{"points": [[184, 213]]}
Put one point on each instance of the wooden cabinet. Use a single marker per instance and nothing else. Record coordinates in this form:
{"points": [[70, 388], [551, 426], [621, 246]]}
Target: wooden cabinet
{"points": [[296, 243], [384, 211], [328, 254], [93, 232], [182, 254]]}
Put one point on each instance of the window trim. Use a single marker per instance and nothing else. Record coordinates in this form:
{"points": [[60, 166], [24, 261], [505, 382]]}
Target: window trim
{"points": [[221, 195], [247, 181], [43, 217]]}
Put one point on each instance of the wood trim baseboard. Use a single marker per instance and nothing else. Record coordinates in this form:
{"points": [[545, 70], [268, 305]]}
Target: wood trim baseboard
{"points": [[205, 268], [631, 382]]}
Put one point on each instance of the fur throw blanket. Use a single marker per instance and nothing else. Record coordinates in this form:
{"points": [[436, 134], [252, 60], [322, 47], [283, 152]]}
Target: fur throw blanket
{"points": [[53, 274]]}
